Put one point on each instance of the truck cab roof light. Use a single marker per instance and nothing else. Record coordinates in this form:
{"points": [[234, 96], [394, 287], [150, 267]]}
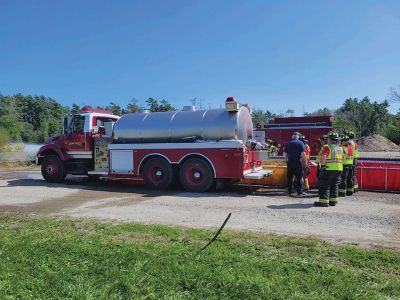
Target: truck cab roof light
{"points": [[88, 109]]}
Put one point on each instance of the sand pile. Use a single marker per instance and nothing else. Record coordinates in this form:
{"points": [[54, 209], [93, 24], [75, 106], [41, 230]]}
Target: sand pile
{"points": [[376, 143]]}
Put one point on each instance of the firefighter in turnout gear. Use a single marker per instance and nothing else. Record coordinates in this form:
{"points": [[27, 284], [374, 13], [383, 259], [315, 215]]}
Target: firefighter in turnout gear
{"points": [[323, 140], [331, 168], [354, 145], [346, 183]]}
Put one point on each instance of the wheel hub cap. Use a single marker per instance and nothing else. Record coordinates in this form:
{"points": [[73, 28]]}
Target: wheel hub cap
{"points": [[159, 173], [196, 175]]}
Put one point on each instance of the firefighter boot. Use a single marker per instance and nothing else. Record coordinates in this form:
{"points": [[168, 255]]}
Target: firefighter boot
{"points": [[333, 201], [349, 191], [322, 203]]}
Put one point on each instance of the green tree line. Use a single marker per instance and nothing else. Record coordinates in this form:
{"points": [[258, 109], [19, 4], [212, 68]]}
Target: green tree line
{"points": [[30, 118], [26, 118], [35, 118], [364, 117]]}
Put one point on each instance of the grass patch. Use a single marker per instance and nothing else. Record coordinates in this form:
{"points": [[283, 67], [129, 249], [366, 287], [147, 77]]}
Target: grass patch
{"points": [[7, 147], [18, 165], [46, 259]]}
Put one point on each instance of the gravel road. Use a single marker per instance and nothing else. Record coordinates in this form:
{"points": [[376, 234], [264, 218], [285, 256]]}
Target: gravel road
{"points": [[365, 219]]}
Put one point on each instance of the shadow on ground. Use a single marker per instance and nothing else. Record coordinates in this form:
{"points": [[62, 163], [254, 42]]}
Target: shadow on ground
{"points": [[292, 206], [82, 183], [129, 187]]}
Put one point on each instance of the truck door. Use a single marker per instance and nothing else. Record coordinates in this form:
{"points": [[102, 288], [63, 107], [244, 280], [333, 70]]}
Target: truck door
{"points": [[75, 141]]}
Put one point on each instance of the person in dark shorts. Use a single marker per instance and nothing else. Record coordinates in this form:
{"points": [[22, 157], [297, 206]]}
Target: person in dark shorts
{"points": [[295, 158], [306, 170]]}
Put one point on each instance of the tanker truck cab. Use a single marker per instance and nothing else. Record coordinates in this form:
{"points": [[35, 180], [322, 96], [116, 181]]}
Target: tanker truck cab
{"points": [[72, 151]]}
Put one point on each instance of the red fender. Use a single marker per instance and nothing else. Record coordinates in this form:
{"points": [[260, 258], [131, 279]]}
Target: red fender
{"points": [[53, 147]]}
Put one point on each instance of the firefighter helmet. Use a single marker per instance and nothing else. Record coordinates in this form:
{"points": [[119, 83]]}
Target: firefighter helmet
{"points": [[333, 135], [349, 133]]}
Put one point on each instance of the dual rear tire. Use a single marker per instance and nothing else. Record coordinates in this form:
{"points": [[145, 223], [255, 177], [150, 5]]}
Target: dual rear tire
{"points": [[158, 173], [195, 174]]}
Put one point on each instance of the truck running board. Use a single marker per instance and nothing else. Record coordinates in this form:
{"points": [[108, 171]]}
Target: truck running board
{"points": [[97, 173], [258, 174]]}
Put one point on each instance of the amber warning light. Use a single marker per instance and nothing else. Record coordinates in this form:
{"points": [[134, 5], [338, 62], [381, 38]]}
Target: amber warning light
{"points": [[231, 104]]}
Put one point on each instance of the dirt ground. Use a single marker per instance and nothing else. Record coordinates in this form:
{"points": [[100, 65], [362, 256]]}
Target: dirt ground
{"points": [[365, 219], [376, 143]]}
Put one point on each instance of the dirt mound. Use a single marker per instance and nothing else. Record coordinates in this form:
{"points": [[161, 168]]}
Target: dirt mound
{"points": [[376, 143]]}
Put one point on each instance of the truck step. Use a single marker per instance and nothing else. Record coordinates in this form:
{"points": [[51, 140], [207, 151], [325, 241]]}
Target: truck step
{"points": [[98, 173]]}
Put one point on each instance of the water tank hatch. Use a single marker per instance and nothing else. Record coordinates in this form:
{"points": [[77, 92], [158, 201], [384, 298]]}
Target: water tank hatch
{"points": [[189, 108]]}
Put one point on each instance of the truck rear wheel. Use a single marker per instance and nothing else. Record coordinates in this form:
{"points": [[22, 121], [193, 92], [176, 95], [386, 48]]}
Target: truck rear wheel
{"points": [[196, 175], [158, 173], [53, 169]]}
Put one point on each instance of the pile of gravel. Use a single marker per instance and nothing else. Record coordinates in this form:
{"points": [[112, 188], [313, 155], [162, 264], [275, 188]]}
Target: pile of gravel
{"points": [[376, 143]]}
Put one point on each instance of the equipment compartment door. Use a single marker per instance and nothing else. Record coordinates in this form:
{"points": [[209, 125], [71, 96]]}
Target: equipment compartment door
{"points": [[101, 154], [121, 161]]}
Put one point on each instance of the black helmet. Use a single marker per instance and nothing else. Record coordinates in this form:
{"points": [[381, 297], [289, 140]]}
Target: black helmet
{"points": [[349, 133], [303, 139], [333, 135], [344, 137]]}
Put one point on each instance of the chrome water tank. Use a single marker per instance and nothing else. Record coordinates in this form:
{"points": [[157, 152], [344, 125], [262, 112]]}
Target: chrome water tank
{"points": [[181, 126]]}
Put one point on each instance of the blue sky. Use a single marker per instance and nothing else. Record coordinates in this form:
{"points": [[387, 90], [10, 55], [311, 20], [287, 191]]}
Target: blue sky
{"points": [[273, 54]]}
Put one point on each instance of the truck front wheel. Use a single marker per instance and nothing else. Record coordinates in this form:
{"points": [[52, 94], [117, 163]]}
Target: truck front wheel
{"points": [[196, 175], [53, 169], [158, 173]]}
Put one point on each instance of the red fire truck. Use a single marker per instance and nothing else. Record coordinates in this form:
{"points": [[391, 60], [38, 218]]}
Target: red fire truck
{"points": [[196, 148], [280, 130]]}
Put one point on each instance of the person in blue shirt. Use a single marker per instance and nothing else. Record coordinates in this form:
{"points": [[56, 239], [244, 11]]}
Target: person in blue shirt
{"points": [[295, 158]]}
